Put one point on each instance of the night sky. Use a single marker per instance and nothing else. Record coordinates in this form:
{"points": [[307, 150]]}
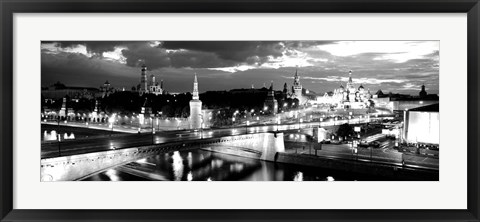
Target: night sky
{"points": [[392, 66]]}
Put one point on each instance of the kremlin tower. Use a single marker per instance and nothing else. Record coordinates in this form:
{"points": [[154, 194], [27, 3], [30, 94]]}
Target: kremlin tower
{"points": [[297, 89], [196, 117], [271, 103]]}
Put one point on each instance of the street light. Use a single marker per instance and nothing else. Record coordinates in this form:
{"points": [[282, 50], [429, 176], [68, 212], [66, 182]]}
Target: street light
{"points": [[278, 122], [246, 127], [201, 127], [111, 120], [358, 130], [59, 139], [153, 129], [178, 124]]}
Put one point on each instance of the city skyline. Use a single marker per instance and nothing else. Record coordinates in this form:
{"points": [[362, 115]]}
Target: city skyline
{"points": [[392, 66]]}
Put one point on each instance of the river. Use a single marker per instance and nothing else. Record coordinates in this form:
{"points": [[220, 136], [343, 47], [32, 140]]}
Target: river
{"points": [[201, 165]]}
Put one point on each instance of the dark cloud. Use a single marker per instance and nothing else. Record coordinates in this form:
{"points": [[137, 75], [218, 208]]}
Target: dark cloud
{"points": [[307, 44], [193, 54], [75, 69], [156, 58], [238, 51]]}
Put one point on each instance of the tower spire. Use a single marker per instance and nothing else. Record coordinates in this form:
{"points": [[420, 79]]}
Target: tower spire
{"points": [[195, 88], [350, 76], [296, 79], [271, 93]]}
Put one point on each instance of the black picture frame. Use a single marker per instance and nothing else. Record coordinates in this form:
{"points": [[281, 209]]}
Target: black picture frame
{"points": [[9, 7]]}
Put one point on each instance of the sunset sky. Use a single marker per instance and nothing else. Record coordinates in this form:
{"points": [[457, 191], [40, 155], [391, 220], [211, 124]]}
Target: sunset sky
{"points": [[392, 66]]}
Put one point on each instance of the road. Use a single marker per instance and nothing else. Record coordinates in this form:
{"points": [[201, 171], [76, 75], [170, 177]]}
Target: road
{"points": [[289, 123], [384, 154]]}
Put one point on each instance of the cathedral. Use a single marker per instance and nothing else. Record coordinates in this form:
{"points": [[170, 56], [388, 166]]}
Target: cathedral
{"points": [[347, 97], [149, 86]]}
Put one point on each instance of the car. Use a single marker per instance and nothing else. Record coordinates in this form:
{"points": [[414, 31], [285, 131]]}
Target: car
{"points": [[335, 142], [363, 144], [374, 144]]}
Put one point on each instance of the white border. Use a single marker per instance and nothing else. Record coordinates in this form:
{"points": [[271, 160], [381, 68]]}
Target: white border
{"points": [[449, 193]]}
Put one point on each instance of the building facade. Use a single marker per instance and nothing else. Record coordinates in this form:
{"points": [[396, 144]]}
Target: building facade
{"points": [[422, 125], [154, 86], [59, 90], [106, 89]]}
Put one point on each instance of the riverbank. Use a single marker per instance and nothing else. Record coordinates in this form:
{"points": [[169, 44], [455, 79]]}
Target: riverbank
{"points": [[389, 171]]}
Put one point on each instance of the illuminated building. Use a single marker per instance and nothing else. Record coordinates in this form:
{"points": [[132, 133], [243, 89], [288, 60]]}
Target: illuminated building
{"points": [[63, 110], [145, 112], [95, 112], [422, 125], [154, 87], [151, 86], [347, 97], [196, 117], [297, 90], [271, 103]]}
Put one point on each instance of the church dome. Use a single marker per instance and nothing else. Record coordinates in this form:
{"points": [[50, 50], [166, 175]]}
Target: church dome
{"points": [[360, 87]]}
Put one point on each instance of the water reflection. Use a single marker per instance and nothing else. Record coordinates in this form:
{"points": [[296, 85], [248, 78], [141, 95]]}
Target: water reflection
{"points": [[298, 176], [177, 165], [53, 135], [200, 165]]}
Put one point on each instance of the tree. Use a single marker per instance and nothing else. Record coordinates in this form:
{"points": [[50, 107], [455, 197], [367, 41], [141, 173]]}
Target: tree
{"points": [[167, 110], [371, 103], [345, 130]]}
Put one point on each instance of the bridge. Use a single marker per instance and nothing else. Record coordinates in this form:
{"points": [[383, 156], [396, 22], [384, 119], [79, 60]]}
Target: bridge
{"points": [[262, 146]]}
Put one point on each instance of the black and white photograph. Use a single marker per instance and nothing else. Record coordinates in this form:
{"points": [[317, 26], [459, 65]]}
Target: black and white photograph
{"points": [[326, 111]]}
